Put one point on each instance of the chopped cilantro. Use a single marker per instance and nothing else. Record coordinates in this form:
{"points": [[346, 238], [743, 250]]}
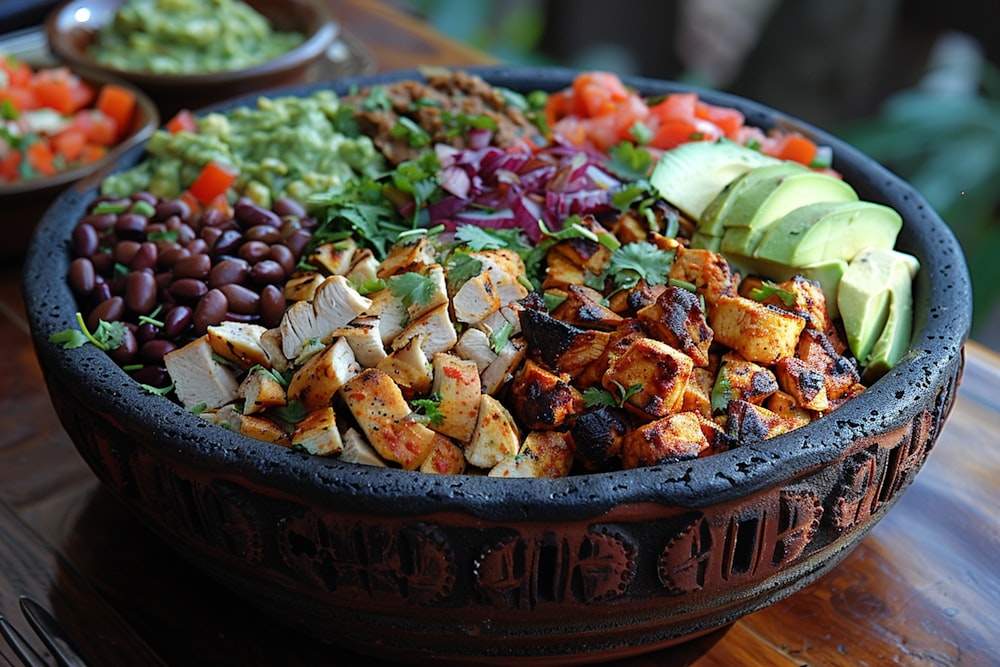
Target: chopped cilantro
{"points": [[598, 396], [637, 261], [412, 288], [107, 336], [768, 289], [499, 338], [460, 268], [429, 409]]}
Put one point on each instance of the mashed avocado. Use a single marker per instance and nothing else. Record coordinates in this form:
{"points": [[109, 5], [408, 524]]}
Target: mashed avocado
{"points": [[285, 146], [189, 36]]}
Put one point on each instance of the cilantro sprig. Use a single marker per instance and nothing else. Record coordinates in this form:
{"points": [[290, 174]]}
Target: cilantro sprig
{"points": [[107, 336], [640, 260]]}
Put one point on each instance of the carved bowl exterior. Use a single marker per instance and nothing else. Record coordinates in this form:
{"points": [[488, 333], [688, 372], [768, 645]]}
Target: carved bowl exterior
{"points": [[412, 566]]}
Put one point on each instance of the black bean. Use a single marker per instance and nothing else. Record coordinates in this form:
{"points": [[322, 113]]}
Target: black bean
{"points": [[81, 276], [103, 262], [188, 290], [241, 299], [213, 217], [124, 251], [145, 257], [110, 310], [193, 266], [297, 242], [126, 350], [140, 291], [267, 272], [152, 351], [171, 207], [100, 293], [144, 196], [228, 271], [176, 321], [197, 246], [282, 255], [272, 306], [145, 332], [154, 376], [253, 251], [168, 258], [284, 206], [131, 226], [211, 310], [102, 222], [248, 214], [85, 240], [227, 243], [264, 233]]}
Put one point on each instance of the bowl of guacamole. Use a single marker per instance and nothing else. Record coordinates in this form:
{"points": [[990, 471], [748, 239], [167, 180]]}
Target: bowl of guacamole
{"points": [[192, 52]]}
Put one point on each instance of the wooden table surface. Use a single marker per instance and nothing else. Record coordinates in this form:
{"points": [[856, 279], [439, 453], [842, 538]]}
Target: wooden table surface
{"points": [[922, 589]]}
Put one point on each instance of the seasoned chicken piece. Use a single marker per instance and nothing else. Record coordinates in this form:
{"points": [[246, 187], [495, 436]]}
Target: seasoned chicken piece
{"points": [[589, 255], [804, 382], [335, 304], [676, 318], [475, 345], [409, 368], [630, 228], [708, 271], [654, 375], [303, 288], [561, 272], [261, 390], [262, 428], [748, 423], [785, 406], [413, 256], [228, 417], [364, 267], [199, 380], [357, 450], [436, 298], [365, 339], [317, 381], [239, 342], [596, 437], [435, 329], [618, 341], [741, 380], [476, 299], [391, 313], [628, 302], [543, 454], [506, 269], [270, 342], [501, 370], [758, 332], [698, 392], [496, 436], [383, 414], [542, 400], [318, 434], [561, 346], [676, 436], [333, 259], [840, 373], [446, 458], [583, 308], [457, 386]]}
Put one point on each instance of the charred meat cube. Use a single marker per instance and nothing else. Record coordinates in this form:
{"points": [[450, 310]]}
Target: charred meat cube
{"points": [[597, 436], [543, 400], [676, 318], [653, 375]]}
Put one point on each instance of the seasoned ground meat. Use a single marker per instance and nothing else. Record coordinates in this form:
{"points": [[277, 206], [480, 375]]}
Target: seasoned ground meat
{"points": [[438, 107]]}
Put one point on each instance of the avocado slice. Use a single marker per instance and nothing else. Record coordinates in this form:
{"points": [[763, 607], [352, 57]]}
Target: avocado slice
{"points": [[765, 201], [817, 232], [876, 306], [690, 175], [741, 197]]}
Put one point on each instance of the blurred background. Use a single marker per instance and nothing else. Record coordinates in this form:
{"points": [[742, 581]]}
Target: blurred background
{"points": [[914, 83]]}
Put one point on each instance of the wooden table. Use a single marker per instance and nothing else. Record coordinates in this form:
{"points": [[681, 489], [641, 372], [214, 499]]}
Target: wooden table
{"points": [[922, 589]]}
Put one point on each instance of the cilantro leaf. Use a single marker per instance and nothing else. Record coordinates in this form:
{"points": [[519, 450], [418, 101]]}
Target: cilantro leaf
{"points": [[460, 268], [412, 288], [598, 397], [637, 261], [768, 289], [477, 239], [430, 409], [499, 338], [107, 336], [629, 161]]}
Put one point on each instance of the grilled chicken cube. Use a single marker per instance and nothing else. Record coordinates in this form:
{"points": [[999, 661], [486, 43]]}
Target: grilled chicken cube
{"points": [[676, 318], [435, 330], [238, 342], [200, 381], [589, 255], [630, 228], [543, 454], [317, 433], [748, 423], [262, 428], [364, 267], [391, 313], [596, 437], [757, 331], [412, 256], [409, 368], [543, 400], [261, 390], [270, 342], [506, 269], [785, 406], [228, 417], [496, 436], [803, 381], [629, 331], [583, 308], [316, 382], [333, 259], [628, 302], [476, 299], [475, 345], [676, 436], [365, 339], [708, 271], [741, 380], [561, 272], [446, 458], [840, 373], [357, 450], [437, 297], [561, 346], [698, 392], [303, 288], [334, 305], [382, 413], [457, 386], [653, 374], [501, 370]]}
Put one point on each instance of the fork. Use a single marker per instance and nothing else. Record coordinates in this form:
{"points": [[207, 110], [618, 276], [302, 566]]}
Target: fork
{"points": [[48, 630]]}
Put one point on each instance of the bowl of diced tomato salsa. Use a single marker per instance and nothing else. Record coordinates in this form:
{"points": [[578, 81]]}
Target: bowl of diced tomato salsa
{"points": [[57, 127], [501, 366]]}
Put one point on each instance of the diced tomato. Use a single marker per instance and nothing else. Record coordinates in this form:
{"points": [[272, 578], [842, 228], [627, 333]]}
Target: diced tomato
{"points": [[9, 164], [182, 121], [18, 72], [23, 99], [214, 179], [673, 133], [793, 146], [117, 103], [727, 119], [92, 153], [100, 129], [676, 106], [70, 143], [41, 157]]}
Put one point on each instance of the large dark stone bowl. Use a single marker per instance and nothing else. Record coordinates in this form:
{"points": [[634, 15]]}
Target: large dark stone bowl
{"points": [[408, 565]]}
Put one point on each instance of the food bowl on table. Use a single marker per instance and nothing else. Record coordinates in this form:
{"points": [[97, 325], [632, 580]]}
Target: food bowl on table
{"points": [[593, 566], [73, 27], [26, 198]]}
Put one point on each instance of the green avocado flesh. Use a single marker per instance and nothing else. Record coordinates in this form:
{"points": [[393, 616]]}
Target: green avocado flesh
{"points": [[742, 197], [692, 174], [875, 304]]}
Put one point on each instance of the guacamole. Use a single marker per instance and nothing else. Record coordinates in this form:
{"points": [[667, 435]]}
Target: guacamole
{"points": [[284, 146], [189, 36]]}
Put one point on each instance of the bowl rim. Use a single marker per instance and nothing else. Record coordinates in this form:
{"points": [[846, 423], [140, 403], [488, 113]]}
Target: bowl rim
{"points": [[943, 314], [311, 49], [151, 120]]}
